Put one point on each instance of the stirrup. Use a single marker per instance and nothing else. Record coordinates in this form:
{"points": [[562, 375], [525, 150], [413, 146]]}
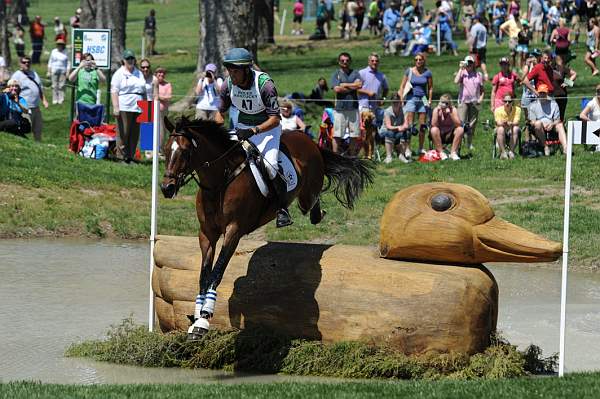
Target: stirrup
{"points": [[283, 218]]}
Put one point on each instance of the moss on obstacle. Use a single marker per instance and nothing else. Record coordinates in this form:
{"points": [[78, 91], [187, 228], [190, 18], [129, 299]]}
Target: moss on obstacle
{"points": [[262, 351]]}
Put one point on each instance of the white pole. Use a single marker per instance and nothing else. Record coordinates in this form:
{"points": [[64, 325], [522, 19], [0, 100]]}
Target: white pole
{"points": [[439, 40], [282, 26], [143, 52], [565, 258], [155, 143]]}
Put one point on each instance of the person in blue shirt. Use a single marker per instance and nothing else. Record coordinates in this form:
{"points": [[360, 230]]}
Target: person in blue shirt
{"points": [[12, 109], [498, 18], [391, 17], [445, 26]]}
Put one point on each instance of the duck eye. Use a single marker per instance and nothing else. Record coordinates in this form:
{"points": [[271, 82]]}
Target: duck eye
{"points": [[441, 202]]}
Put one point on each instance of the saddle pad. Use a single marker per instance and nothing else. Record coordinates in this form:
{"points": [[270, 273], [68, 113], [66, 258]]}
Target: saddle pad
{"points": [[288, 171]]}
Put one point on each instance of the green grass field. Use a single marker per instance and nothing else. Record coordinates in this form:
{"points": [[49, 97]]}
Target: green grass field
{"points": [[47, 191]]}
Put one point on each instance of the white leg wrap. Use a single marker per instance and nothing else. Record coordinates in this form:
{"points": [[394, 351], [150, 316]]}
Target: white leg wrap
{"points": [[200, 299], [209, 303], [201, 322]]}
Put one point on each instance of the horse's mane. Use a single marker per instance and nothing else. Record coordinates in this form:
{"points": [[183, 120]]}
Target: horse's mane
{"points": [[211, 130]]}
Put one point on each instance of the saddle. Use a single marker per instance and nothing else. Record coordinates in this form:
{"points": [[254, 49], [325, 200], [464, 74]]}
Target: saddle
{"points": [[259, 168]]}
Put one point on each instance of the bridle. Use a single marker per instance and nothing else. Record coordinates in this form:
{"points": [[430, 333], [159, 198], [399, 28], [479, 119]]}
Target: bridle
{"points": [[184, 177]]}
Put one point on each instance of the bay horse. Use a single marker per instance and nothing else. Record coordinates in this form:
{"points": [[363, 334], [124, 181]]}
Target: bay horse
{"points": [[229, 202]]}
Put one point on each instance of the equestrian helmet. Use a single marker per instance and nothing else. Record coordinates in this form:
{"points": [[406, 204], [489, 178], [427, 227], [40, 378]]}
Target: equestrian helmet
{"points": [[237, 58]]}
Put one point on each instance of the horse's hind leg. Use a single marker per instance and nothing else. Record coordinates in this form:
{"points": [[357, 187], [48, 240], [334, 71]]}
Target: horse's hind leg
{"points": [[316, 213]]}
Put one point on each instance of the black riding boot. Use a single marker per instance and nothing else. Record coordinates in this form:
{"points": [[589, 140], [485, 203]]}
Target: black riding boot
{"points": [[283, 216]]}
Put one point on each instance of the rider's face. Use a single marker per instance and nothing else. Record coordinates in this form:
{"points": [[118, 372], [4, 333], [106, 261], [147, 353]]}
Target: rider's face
{"points": [[238, 75]]}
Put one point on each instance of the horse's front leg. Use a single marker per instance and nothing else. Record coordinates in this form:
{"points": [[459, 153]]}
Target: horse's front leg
{"points": [[207, 246], [230, 243]]}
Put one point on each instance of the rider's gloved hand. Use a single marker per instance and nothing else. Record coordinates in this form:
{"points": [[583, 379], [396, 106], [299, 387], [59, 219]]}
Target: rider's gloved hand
{"points": [[244, 134]]}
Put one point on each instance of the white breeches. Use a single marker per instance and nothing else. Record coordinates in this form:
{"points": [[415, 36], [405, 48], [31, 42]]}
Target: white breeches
{"points": [[268, 145]]}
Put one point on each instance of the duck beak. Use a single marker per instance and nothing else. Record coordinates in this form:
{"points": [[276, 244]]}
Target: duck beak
{"points": [[500, 241]]}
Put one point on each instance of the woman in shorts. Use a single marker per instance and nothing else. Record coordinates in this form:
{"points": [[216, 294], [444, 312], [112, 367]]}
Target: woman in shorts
{"points": [[592, 44]]}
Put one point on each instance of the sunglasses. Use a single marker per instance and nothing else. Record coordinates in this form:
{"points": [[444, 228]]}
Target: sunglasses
{"points": [[344, 61], [598, 92], [26, 62], [144, 67], [507, 101]]}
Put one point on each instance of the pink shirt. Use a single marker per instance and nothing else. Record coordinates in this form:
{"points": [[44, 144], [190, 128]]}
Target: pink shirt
{"points": [[470, 87], [504, 85], [165, 90], [298, 8]]}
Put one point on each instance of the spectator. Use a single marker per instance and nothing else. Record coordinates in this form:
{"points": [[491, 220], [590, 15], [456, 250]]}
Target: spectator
{"points": [[394, 131], [88, 78], [290, 121], [478, 42], [545, 117], [36, 32], [591, 112], [592, 44], [416, 91], [19, 40], [149, 78], [503, 84], [165, 93], [32, 92], [374, 86], [360, 16], [391, 17], [443, 21], [498, 18], [3, 71], [535, 15], [560, 38], [468, 15], [150, 32], [553, 19], [319, 91], [75, 20], [511, 28], [470, 96], [60, 32], [298, 15], [208, 91], [446, 127], [562, 77], [373, 14], [127, 88], [529, 96], [397, 39], [507, 119], [12, 109], [421, 39], [321, 18], [541, 73], [523, 39], [345, 83], [58, 68]]}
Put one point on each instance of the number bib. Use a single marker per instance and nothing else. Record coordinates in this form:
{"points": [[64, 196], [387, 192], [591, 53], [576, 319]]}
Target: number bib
{"points": [[249, 102]]}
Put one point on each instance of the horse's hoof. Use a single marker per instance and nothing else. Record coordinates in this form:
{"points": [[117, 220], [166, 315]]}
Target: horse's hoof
{"points": [[197, 330]]}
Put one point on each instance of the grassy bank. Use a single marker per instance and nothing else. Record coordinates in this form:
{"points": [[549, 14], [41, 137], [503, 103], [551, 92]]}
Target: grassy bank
{"points": [[47, 191]]}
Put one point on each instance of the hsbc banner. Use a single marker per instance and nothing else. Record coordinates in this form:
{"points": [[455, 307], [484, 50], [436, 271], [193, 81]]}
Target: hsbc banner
{"points": [[94, 41]]}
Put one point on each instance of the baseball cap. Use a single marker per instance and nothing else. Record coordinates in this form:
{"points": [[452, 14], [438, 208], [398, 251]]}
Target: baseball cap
{"points": [[128, 54], [210, 68], [543, 88], [60, 41], [524, 22], [504, 60], [469, 58]]}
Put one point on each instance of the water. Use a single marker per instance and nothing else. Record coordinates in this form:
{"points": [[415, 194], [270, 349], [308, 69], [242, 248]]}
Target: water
{"points": [[56, 292]]}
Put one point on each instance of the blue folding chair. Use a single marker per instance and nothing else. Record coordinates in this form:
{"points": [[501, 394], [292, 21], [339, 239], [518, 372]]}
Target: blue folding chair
{"points": [[89, 115]]}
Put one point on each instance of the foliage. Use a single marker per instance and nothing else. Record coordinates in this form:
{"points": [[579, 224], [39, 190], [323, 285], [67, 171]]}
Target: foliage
{"points": [[259, 350]]}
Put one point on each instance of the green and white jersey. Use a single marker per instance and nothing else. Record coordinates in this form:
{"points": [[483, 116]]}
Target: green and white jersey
{"points": [[249, 102]]}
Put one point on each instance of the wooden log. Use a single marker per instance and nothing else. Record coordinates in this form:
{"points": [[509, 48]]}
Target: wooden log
{"points": [[333, 293]]}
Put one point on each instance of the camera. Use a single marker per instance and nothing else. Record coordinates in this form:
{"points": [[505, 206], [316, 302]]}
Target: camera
{"points": [[462, 64]]}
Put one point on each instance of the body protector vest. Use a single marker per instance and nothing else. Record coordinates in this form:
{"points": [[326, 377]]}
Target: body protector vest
{"points": [[249, 102]]}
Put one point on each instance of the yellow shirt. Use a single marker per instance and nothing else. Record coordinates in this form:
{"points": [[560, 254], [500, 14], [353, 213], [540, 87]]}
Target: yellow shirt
{"points": [[501, 116], [512, 28]]}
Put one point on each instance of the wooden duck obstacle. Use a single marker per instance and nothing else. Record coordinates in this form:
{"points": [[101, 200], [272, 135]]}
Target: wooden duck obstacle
{"points": [[340, 292]]}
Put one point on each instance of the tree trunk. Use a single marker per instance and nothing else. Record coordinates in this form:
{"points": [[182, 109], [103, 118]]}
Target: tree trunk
{"points": [[107, 14], [18, 12], [265, 24], [224, 24], [4, 42]]}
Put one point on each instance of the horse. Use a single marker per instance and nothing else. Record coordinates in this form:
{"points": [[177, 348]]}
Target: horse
{"points": [[229, 202]]}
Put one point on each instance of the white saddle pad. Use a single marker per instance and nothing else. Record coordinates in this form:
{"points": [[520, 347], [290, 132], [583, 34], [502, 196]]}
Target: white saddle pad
{"points": [[288, 171]]}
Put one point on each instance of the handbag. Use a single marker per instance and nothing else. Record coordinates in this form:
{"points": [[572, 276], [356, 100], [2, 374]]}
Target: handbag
{"points": [[408, 86]]}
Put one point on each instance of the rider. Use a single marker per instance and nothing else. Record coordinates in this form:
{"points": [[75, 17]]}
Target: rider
{"points": [[254, 95]]}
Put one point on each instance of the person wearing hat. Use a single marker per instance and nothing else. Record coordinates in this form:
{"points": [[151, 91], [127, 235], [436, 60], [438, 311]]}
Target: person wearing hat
{"points": [[33, 93], [127, 87], [208, 91], [541, 73], [12, 109], [58, 67], [545, 118], [254, 95], [523, 39], [36, 32], [470, 96], [503, 83]]}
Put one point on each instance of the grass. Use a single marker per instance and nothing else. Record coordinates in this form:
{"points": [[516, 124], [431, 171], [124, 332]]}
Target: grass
{"points": [[258, 350], [47, 191]]}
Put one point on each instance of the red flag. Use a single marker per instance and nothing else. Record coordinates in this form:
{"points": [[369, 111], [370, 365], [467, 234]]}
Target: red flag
{"points": [[147, 114]]}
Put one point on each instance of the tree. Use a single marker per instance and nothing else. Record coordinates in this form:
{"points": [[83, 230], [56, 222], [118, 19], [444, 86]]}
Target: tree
{"points": [[4, 42], [18, 12], [107, 14], [264, 21]]}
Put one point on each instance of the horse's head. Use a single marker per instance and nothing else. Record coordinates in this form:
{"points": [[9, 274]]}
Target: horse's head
{"points": [[178, 159]]}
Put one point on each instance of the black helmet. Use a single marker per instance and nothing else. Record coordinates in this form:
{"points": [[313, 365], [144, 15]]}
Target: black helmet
{"points": [[237, 58]]}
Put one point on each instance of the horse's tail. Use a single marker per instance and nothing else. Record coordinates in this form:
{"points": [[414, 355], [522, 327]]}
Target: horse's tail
{"points": [[348, 175]]}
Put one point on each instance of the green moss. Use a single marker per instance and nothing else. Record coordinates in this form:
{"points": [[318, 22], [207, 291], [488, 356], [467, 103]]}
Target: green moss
{"points": [[262, 351]]}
